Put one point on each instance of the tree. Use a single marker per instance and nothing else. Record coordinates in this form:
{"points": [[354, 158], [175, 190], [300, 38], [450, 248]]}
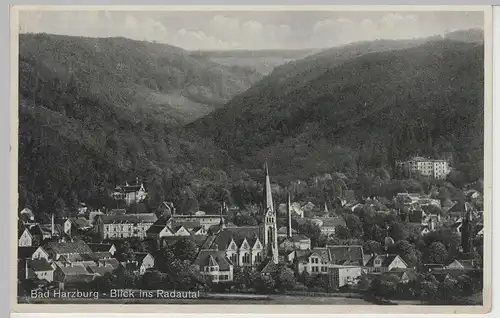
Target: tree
{"points": [[370, 247], [284, 278], [264, 284], [354, 226], [436, 253], [185, 250], [310, 230]]}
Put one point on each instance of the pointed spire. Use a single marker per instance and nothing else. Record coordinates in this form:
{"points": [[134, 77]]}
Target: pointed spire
{"points": [[289, 215], [268, 197]]}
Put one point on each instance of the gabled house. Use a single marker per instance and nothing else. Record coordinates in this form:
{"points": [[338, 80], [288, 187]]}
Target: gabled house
{"points": [[215, 266], [40, 269], [40, 253], [73, 225], [464, 264], [385, 263], [130, 193], [144, 261], [30, 236]]}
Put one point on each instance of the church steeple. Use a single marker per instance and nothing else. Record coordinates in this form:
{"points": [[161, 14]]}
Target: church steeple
{"points": [[270, 224], [289, 216], [268, 197]]}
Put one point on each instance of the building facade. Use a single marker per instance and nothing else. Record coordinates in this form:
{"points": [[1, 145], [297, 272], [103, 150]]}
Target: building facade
{"points": [[433, 168]]}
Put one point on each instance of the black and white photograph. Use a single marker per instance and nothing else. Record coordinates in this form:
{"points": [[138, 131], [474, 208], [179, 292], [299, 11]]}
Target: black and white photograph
{"points": [[252, 157]]}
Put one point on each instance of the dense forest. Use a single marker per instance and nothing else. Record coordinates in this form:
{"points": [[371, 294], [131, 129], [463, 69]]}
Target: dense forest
{"points": [[363, 114], [89, 120]]}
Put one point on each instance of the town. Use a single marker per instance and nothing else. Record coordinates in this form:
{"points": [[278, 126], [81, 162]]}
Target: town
{"points": [[424, 246]]}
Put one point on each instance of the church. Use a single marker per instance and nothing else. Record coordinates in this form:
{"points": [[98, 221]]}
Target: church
{"points": [[245, 246]]}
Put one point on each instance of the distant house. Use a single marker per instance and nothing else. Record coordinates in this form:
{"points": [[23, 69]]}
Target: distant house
{"points": [[73, 225], [130, 193], [39, 268], [318, 260], [40, 253], [99, 268], [297, 241], [25, 238], [124, 226], [215, 266], [66, 249], [465, 264], [340, 275], [144, 261], [27, 216], [385, 263], [327, 225], [68, 274]]}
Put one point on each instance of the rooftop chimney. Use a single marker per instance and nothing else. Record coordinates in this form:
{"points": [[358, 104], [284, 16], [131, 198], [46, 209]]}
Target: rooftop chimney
{"points": [[289, 216], [53, 224]]}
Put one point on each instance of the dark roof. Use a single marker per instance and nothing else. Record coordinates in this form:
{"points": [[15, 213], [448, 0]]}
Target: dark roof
{"points": [[39, 265], [35, 230], [129, 218], [26, 251], [267, 266], [100, 270], [186, 224], [161, 221], [72, 269], [284, 230], [99, 247], [293, 238], [75, 247], [131, 188], [345, 253], [224, 237], [78, 278], [333, 222], [80, 222], [211, 257], [140, 256], [199, 240]]}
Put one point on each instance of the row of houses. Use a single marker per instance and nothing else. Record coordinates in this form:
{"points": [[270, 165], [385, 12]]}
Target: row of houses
{"points": [[74, 262]]}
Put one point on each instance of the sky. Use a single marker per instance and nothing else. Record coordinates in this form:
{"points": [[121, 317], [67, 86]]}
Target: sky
{"points": [[250, 30]]}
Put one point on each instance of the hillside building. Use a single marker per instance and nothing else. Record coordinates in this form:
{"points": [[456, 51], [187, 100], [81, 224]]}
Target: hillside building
{"points": [[432, 168]]}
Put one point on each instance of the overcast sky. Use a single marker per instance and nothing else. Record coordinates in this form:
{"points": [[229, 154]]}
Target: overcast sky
{"points": [[249, 30]]}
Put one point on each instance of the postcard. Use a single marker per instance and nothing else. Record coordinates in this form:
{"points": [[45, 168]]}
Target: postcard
{"points": [[288, 159]]}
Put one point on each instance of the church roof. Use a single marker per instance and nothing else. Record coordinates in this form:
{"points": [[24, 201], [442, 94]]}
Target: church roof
{"points": [[224, 237]]}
